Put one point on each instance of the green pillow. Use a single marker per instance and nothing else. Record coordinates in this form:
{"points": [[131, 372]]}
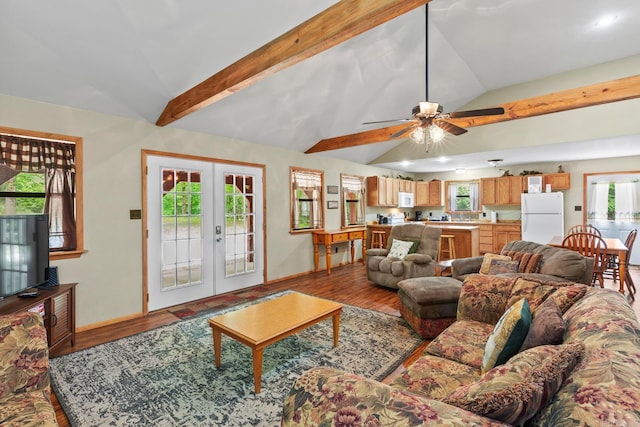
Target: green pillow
{"points": [[414, 247], [507, 336]]}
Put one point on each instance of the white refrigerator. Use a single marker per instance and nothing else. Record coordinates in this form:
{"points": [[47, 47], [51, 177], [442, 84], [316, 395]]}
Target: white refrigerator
{"points": [[542, 216]]}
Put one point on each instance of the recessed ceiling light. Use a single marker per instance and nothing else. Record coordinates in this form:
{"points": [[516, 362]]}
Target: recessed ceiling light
{"points": [[406, 163], [443, 159], [461, 171], [605, 21]]}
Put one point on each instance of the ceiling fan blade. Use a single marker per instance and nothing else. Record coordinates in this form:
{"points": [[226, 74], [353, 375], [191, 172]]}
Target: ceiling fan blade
{"points": [[496, 111], [402, 132], [450, 127], [388, 121]]}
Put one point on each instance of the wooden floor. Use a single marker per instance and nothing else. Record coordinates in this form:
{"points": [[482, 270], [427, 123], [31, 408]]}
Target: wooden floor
{"points": [[347, 284]]}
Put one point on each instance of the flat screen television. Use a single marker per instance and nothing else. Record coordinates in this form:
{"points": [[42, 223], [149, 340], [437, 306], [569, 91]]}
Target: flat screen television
{"points": [[24, 252]]}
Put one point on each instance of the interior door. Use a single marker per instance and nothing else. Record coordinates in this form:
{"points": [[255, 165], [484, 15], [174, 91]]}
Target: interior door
{"points": [[180, 241], [239, 227]]}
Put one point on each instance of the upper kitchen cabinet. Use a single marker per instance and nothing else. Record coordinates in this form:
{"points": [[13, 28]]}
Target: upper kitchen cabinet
{"points": [[558, 181], [429, 193], [406, 186], [382, 191], [504, 190]]}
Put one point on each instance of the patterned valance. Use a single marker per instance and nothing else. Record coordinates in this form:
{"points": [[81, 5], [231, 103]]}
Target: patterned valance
{"points": [[36, 155]]}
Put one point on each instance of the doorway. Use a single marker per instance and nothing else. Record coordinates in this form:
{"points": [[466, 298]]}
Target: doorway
{"points": [[204, 228], [612, 201]]}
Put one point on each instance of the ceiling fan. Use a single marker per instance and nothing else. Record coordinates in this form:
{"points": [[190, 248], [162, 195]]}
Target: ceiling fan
{"points": [[429, 122]]}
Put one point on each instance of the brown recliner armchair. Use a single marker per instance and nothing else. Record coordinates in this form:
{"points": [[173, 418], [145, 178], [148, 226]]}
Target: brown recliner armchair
{"points": [[388, 271]]}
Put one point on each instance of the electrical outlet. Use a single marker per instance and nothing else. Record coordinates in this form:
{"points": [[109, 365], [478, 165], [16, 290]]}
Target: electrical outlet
{"points": [[577, 208], [135, 214]]}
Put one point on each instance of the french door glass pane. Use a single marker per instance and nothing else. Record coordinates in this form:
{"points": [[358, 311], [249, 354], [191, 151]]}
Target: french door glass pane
{"points": [[181, 228], [239, 224]]}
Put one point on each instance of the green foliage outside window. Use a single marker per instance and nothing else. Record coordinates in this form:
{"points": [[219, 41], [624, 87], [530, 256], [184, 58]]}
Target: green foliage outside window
{"points": [[463, 199], [24, 182]]}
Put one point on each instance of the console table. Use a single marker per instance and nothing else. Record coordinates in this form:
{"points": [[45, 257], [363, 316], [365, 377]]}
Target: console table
{"points": [[58, 308], [327, 238]]}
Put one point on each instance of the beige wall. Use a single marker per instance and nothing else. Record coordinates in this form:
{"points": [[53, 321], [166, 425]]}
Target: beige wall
{"points": [[110, 273]]}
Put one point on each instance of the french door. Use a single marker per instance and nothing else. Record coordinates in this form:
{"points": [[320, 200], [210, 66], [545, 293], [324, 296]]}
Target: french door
{"points": [[204, 229]]}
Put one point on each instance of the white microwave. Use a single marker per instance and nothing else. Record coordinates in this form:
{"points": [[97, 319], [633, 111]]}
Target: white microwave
{"points": [[405, 200]]}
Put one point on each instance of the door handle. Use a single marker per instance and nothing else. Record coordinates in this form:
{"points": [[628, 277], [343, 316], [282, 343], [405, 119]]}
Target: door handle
{"points": [[219, 239]]}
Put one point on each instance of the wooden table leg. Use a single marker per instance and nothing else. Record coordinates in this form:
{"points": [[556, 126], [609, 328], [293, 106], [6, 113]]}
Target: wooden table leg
{"points": [[217, 344], [257, 368], [316, 256], [352, 245], [364, 248], [336, 328], [622, 257], [328, 258]]}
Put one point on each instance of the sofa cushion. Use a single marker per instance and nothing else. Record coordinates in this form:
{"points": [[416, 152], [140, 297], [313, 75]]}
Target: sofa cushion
{"points": [[463, 342], [500, 266], [435, 377], [528, 262], [399, 248], [507, 335], [517, 390], [486, 261], [31, 408], [484, 297], [534, 291], [547, 326], [505, 393], [566, 296]]}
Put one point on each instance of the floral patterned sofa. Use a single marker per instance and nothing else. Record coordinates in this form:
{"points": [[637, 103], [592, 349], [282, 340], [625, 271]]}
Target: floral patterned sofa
{"points": [[584, 370], [24, 372]]}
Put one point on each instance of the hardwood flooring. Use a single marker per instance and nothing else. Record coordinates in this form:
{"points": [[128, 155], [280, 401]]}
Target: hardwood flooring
{"points": [[347, 284]]}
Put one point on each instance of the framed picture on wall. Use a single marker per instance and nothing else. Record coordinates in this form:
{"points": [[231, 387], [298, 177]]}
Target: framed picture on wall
{"points": [[332, 189], [332, 204]]}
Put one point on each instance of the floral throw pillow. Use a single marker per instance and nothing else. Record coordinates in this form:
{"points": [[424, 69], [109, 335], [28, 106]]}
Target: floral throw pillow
{"points": [[499, 266], [507, 336], [399, 248], [486, 261]]}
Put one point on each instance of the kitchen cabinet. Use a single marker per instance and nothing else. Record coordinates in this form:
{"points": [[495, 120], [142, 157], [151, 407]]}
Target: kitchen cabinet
{"points": [[503, 233], [379, 191], [486, 238], [504, 190], [429, 193], [558, 181], [406, 186]]}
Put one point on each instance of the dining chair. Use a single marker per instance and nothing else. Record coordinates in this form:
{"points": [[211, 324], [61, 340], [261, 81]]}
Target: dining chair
{"points": [[584, 228], [590, 245], [614, 263]]}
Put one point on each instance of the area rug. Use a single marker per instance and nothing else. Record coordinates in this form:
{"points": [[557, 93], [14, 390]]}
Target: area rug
{"points": [[167, 376]]}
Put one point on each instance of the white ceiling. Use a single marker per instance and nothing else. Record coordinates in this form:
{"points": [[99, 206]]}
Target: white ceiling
{"points": [[129, 58]]}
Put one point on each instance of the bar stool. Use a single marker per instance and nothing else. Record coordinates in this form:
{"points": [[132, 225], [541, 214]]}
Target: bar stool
{"points": [[377, 239], [449, 250]]}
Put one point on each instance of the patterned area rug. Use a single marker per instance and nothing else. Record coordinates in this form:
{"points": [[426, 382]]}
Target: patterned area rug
{"points": [[167, 376]]}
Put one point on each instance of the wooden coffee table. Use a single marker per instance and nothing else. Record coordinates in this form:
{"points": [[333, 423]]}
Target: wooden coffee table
{"points": [[262, 324]]}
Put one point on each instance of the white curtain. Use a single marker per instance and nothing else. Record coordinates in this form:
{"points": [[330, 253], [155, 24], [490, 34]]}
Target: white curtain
{"points": [[474, 195], [453, 193], [599, 201], [627, 206]]}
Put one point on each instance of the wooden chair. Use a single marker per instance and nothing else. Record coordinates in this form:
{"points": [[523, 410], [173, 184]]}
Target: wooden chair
{"points": [[584, 228], [590, 245], [614, 263]]}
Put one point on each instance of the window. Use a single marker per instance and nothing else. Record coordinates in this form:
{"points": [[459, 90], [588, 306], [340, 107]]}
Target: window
{"points": [[353, 200], [463, 196], [41, 173], [306, 199]]}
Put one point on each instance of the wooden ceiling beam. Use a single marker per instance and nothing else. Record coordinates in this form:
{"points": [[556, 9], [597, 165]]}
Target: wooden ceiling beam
{"points": [[334, 25], [571, 99]]}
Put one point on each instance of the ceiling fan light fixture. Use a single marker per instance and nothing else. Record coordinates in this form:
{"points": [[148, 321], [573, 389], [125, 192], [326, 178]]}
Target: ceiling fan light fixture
{"points": [[418, 135], [436, 133]]}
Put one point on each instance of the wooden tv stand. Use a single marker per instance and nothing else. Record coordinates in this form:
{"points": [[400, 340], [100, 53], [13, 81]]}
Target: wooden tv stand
{"points": [[59, 304]]}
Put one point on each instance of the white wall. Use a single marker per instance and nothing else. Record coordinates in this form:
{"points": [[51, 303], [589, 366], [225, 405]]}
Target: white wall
{"points": [[110, 273]]}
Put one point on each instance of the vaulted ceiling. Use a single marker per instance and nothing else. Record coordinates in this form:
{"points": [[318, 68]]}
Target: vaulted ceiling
{"points": [[130, 58]]}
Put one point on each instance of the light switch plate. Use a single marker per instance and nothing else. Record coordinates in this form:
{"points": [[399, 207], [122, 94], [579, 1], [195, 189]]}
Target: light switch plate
{"points": [[135, 214]]}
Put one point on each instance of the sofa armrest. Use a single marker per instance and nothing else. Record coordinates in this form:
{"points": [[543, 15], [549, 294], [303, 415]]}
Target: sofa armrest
{"points": [[327, 396], [418, 258], [377, 252], [462, 266], [24, 365]]}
